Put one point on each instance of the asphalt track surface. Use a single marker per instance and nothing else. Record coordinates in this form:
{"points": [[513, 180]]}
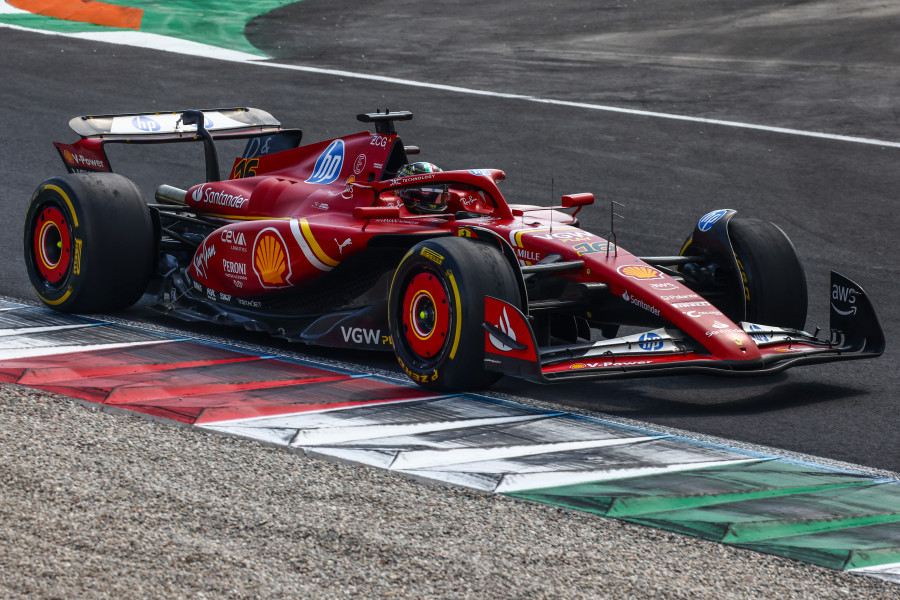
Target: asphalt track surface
{"points": [[815, 66]]}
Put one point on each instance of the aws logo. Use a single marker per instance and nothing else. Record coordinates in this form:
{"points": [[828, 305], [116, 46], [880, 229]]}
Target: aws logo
{"points": [[271, 261], [328, 165]]}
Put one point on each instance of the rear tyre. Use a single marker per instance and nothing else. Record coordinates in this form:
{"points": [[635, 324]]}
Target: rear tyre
{"points": [[89, 243], [436, 309], [773, 278]]}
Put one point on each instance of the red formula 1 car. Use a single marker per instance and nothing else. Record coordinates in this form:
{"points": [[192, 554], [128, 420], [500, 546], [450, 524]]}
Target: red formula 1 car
{"points": [[325, 244]]}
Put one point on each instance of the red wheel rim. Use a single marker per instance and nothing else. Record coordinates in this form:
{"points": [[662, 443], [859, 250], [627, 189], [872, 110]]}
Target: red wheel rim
{"points": [[426, 315], [52, 245]]}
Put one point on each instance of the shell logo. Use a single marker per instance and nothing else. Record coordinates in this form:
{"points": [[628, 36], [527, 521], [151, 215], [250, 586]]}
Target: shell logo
{"points": [[640, 272], [271, 261], [577, 366], [68, 156]]}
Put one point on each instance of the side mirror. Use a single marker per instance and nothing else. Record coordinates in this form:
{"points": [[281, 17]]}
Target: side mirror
{"points": [[577, 200], [376, 212]]}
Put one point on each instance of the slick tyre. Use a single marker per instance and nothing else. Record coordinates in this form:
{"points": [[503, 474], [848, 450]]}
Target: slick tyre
{"points": [[436, 310], [89, 243], [773, 278]]}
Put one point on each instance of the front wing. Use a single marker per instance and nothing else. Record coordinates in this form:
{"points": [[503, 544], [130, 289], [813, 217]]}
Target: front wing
{"points": [[511, 348]]}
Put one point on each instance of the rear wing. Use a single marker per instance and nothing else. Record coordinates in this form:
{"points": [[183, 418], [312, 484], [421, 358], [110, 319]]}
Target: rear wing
{"points": [[88, 154]]}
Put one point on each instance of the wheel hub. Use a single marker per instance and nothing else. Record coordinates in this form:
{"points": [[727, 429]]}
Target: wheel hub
{"points": [[52, 245]]}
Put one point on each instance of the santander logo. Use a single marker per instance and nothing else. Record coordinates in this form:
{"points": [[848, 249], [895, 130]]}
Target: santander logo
{"points": [[506, 328]]}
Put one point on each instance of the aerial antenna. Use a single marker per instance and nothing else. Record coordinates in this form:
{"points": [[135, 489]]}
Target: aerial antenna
{"points": [[551, 204], [612, 227]]}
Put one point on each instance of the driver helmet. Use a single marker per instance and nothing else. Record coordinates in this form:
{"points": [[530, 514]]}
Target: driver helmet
{"points": [[423, 200]]}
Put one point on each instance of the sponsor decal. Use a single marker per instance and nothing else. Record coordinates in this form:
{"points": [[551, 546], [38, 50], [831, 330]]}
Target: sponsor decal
{"points": [[755, 333], [235, 239], [360, 164], [210, 196], [592, 247], [250, 303], [650, 342], [361, 335], [341, 245], [843, 296], [271, 261], [709, 219], [324, 205], [379, 141], [506, 328], [257, 147], [642, 272], [432, 255], [144, 123], [211, 294], [470, 200], [691, 304], [328, 165], [528, 254], [412, 179], [571, 235], [76, 264], [201, 258], [724, 331], [640, 303], [719, 325], [479, 171], [83, 161], [696, 314], [664, 286], [234, 268], [609, 363], [225, 297], [680, 297]]}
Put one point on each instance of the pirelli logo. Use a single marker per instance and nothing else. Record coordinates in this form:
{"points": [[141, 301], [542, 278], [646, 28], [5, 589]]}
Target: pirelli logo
{"points": [[432, 255], [76, 264]]}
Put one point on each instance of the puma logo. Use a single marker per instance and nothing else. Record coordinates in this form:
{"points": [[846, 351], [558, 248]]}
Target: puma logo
{"points": [[340, 245]]}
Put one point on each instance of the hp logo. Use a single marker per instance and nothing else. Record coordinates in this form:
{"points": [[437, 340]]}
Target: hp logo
{"points": [[328, 166], [709, 219], [650, 342], [145, 124]]}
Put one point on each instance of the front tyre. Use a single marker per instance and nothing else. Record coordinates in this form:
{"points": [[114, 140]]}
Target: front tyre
{"points": [[89, 242], [773, 278], [436, 309]]}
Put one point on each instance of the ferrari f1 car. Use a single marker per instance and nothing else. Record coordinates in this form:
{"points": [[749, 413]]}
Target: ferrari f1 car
{"points": [[320, 244]]}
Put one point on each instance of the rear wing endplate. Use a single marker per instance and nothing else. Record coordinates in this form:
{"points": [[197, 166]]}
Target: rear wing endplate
{"points": [[179, 126]]}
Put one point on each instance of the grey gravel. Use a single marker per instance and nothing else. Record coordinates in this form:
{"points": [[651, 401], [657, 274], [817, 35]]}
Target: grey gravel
{"points": [[101, 505]]}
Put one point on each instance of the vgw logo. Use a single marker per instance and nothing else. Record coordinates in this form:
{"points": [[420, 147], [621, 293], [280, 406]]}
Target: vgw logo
{"points": [[328, 166], [145, 124]]}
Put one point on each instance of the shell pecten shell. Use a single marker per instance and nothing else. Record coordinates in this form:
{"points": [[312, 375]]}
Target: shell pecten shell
{"points": [[640, 272], [270, 259]]}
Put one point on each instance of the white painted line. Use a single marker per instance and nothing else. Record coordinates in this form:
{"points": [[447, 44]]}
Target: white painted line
{"points": [[431, 459], [518, 482], [326, 436], [31, 352], [31, 330], [887, 572], [167, 44]]}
